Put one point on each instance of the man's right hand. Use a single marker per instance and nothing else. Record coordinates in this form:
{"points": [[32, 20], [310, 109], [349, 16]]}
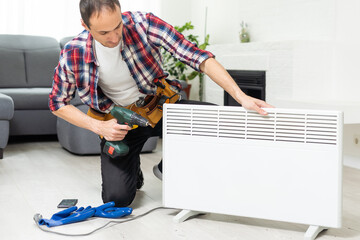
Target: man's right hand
{"points": [[112, 131]]}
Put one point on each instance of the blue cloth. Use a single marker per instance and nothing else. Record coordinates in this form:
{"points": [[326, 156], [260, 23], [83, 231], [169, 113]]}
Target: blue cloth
{"points": [[69, 215], [72, 214], [108, 210]]}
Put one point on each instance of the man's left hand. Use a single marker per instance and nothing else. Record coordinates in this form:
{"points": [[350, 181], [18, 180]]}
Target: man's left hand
{"points": [[255, 104]]}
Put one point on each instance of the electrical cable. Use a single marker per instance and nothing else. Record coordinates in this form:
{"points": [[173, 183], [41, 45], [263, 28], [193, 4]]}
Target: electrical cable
{"points": [[38, 216]]}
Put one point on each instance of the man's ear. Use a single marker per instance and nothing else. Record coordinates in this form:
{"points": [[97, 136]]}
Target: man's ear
{"points": [[84, 25]]}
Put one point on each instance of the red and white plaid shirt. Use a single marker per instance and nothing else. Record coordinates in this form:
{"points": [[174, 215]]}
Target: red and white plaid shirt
{"points": [[143, 36]]}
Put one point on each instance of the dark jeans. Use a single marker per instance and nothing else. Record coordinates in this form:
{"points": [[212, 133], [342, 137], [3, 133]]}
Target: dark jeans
{"points": [[119, 175]]}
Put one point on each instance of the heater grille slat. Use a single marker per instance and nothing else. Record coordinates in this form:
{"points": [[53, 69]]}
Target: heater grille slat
{"points": [[239, 136], [177, 132], [235, 122]]}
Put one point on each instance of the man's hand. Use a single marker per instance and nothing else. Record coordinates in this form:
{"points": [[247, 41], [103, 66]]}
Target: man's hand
{"points": [[112, 131], [255, 104]]}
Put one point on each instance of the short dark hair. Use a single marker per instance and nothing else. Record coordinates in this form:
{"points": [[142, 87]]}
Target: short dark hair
{"points": [[89, 7]]}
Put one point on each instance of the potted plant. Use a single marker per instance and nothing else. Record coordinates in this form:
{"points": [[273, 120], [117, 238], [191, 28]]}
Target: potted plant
{"points": [[180, 70]]}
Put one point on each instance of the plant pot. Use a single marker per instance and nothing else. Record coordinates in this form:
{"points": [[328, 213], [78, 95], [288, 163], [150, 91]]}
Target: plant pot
{"points": [[187, 90]]}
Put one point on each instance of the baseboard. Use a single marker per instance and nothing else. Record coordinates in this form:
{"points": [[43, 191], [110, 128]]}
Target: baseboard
{"points": [[351, 161]]}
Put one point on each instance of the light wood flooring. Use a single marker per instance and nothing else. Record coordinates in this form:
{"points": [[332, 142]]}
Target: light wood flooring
{"points": [[35, 176]]}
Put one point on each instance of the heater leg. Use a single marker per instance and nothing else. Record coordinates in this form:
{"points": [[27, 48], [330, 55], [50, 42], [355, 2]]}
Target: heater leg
{"points": [[185, 214], [312, 232]]}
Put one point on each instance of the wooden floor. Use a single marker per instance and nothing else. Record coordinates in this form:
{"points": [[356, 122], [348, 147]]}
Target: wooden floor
{"points": [[35, 176]]}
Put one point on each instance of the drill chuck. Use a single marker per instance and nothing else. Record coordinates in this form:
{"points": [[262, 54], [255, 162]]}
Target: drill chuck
{"points": [[136, 119]]}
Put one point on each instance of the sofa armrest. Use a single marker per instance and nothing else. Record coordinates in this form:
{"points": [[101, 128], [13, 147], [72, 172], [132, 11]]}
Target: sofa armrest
{"points": [[6, 107], [6, 114]]}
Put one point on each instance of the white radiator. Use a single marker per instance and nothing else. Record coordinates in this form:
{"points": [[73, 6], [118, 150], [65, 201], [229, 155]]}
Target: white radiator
{"points": [[286, 166]]}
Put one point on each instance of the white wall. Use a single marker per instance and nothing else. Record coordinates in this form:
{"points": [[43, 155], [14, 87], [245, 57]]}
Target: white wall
{"points": [[153, 6], [268, 20], [347, 50], [352, 131], [174, 12], [347, 20]]}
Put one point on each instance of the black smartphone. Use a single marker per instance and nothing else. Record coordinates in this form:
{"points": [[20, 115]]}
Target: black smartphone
{"points": [[66, 203]]}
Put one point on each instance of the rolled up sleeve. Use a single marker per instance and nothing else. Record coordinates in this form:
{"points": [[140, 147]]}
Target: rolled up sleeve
{"points": [[163, 34], [63, 86]]}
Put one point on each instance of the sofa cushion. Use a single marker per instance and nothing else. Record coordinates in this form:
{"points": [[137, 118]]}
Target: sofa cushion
{"points": [[27, 61], [33, 122], [12, 68], [40, 65], [32, 98], [28, 98]]}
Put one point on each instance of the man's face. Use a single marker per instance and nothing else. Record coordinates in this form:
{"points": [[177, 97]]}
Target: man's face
{"points": [[106, 27]]}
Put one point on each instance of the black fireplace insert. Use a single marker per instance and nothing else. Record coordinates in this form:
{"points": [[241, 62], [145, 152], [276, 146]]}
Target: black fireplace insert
{"points": [[252, 83]]}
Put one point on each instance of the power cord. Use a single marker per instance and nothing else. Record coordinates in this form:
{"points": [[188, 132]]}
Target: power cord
{"points": [[38, 216]]}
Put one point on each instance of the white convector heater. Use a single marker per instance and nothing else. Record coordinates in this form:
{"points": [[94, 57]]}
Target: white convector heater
{"points": [[286, 166]]}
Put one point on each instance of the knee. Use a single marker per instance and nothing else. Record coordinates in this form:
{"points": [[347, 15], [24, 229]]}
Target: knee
{"points": [[121, 198]]}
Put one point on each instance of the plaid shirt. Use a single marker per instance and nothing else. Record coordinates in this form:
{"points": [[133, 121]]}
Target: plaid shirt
{"points": [[143, 36]]}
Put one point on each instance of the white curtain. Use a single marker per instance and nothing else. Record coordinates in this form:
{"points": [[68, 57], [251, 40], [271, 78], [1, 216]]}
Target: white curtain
{"points": [[54, 18]]}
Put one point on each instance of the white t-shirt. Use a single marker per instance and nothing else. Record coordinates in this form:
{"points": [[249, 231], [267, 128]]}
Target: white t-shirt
{"points": [[115, 79]]}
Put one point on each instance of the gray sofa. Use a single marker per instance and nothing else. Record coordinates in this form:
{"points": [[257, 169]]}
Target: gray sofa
{"points": [[26, 70]]}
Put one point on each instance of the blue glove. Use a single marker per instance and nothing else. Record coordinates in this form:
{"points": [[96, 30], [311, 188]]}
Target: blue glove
{"points": [[68, 216], [108, 210]]}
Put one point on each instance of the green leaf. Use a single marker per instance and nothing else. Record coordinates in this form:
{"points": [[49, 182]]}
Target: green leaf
{"points": [[192, 75]]}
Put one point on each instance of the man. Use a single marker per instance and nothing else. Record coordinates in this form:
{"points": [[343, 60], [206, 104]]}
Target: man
{"points": [[114, 61]]}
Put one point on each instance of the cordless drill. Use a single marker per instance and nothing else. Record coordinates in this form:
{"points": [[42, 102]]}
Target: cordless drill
{"points": [[128, 117]]}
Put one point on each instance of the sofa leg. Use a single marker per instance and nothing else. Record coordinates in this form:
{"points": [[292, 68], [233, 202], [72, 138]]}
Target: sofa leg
{"points": [[1, 153]]}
